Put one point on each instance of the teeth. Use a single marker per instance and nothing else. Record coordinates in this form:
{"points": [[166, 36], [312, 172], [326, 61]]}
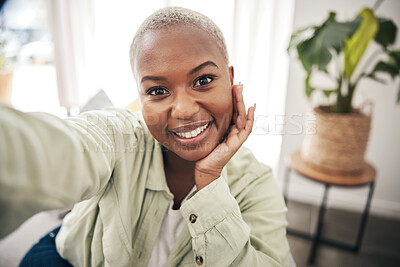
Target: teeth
{"points": [[193, 133]]}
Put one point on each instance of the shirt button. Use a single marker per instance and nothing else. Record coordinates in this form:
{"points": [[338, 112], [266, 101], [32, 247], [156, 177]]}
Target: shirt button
{"points": [[192, 218], [199, 260]]}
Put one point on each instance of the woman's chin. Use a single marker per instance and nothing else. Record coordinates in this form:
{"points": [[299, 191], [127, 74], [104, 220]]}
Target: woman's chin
{"points": [[193, 154]]}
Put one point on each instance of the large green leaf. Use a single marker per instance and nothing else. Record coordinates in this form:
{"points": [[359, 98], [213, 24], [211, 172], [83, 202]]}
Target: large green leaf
{"points": [[328, 92], [394, 56], [337, 32], [373, 76], [300, 36], [308, 87], [355, 46], [387, 67], [386, 34], [391, 66], [314, 51]]}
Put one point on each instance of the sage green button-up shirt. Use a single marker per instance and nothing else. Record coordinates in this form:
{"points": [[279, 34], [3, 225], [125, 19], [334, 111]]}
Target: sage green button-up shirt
{"points": [[109, 163]]}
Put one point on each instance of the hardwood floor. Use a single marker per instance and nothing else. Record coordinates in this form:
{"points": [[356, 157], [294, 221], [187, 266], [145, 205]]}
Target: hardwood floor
{"points": [[380, 245]]}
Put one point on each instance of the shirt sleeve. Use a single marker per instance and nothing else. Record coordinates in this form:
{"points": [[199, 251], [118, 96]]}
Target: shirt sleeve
{"points": [[47, 162], [224, 234]]}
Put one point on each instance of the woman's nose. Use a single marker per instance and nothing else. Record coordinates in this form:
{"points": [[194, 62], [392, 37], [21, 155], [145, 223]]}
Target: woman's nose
{"points": [[184, 106]]}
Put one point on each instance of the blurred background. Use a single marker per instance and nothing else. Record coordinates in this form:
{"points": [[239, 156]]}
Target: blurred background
{"points": [[58, 55]]}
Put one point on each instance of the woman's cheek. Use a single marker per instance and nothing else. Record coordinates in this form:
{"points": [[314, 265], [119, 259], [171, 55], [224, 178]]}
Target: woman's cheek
{"points": [[154, 119], [223, 108]]}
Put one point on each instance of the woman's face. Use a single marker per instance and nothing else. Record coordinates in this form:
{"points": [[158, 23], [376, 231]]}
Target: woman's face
{"points": [[184, 89]]}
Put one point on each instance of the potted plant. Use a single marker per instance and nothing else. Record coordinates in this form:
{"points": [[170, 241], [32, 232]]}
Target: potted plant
{"points": [[336, 49]]}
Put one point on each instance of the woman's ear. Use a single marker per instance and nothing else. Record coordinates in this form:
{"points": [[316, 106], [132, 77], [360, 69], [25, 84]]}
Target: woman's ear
{"points": [[231, 74]]}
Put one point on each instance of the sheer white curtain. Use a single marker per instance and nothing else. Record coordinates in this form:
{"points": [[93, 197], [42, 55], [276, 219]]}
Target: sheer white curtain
{"points": [[116, 23], [261, 32], [72, 29]]}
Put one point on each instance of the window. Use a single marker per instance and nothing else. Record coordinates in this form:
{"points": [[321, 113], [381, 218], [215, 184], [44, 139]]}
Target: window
{"points": [[34, 84]]}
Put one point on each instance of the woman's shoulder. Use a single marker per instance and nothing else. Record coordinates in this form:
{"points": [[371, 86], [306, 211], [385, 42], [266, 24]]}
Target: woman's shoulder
{"points": [[115, 116], [114, 120], [245, 164]]}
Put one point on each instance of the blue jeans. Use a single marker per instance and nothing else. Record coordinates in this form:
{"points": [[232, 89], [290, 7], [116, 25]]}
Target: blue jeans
{"points": [[44, 253]]}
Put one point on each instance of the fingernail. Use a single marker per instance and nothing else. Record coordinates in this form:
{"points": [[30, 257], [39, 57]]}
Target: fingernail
{"points": [[255, 105], [241, 87]]}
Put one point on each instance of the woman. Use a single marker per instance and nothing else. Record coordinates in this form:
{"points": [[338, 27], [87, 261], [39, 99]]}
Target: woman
{"points": [[169, 186]]}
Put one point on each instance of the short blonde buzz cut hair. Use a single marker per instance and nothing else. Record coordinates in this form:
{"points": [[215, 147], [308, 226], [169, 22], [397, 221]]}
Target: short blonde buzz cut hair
{"points": [[171, 16]]}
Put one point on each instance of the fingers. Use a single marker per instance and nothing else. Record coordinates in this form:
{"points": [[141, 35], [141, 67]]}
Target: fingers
{"points": [[242, 121], [250, 121], [240, 108], [232, 131], [241, 135], [234, 116], [236, 137]]}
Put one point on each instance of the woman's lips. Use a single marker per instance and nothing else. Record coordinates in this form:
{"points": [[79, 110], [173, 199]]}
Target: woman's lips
{"points": [[191, 135]]}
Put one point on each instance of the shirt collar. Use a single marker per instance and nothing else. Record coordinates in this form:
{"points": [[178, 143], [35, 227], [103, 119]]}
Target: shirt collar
{"points": [[156, 176], [156, 179]]}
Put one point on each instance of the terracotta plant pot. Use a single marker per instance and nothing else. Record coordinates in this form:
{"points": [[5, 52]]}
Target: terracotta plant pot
{"points": [[338, 143], [6, 77]]}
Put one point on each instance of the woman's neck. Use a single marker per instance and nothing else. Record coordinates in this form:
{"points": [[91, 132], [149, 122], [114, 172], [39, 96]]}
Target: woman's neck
{"points": [[175, 164], [180, 176]]}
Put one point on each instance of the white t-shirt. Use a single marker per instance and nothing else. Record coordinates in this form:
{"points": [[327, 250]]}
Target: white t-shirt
{"points": [[171, 227]]}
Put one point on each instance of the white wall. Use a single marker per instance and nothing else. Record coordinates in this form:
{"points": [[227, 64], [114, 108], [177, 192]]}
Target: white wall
{"points": [[384, 145]]}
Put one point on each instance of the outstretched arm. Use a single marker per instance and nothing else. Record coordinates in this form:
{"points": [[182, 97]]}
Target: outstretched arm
{"points": [[47, 162]]}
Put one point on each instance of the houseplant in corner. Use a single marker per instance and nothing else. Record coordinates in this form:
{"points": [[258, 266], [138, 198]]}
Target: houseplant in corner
{"points": [[336, 50]]}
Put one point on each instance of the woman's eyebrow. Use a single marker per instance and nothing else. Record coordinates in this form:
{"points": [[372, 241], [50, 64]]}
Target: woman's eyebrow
{"points": [[202, 65], [152, 78], [194, 70]]}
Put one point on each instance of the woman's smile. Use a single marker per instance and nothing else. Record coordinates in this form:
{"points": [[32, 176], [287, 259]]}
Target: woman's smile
{"points": [[191, 135]]}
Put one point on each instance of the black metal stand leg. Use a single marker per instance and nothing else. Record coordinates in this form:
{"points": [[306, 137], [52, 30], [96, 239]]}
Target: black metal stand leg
{"points": [[320, 223], [286, 183], [364, 217]]}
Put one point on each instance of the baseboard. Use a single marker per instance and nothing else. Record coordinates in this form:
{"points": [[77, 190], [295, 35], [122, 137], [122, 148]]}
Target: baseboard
{"points": [[341, 200]]}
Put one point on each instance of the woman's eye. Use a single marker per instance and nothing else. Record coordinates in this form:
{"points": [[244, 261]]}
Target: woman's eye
{"points": [[157, 91], [203, 81]]}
